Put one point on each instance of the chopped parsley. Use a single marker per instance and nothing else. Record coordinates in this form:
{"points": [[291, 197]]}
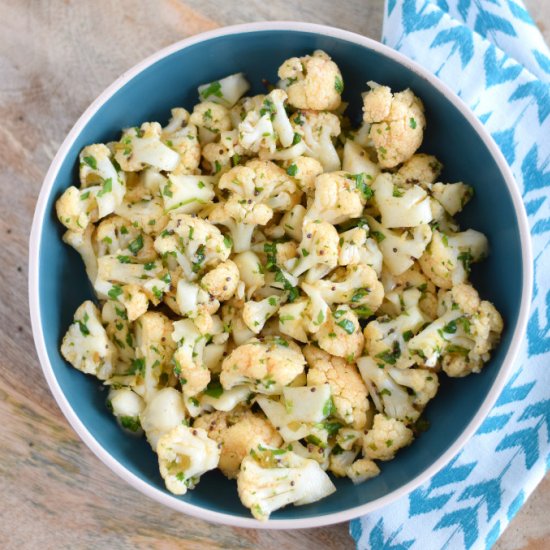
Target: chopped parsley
{"points": [[214, 88], [115, 292], [136, 245], [292, 170], [338, 84], [214, 389], [347, 325], [91, 162]]}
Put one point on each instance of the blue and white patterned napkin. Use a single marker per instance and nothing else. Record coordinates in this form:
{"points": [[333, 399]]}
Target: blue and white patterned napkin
{"points": [[491, 53]]}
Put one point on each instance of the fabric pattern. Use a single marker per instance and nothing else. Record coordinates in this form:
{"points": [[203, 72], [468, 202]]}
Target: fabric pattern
{"points": [[491, 53]]}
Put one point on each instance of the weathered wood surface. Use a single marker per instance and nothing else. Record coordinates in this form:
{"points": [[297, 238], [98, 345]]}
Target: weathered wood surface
{"points": [[55, 57]]}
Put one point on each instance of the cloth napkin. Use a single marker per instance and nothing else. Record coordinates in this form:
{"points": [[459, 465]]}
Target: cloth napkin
{"points": [[491, 53]]}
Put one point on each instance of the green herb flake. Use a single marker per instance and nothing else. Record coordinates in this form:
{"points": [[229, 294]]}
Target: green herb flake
{"points": [[123, 259], [115, 292], [338, 84], [292, 170], [297, 138], [136, 245], [91, 162], [412, 123], [214, 389], [214, 88], [347, 325], [107, 187]]}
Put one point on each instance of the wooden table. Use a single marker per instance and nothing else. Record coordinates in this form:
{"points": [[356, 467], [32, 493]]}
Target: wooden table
{"points": [[55, 58]]}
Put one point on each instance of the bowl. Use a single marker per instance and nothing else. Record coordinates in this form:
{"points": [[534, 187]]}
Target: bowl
{"points": [[169, 78]]}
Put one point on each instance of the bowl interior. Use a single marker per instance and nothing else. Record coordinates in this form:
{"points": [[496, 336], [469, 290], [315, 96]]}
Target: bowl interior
{"points": [[171, 82]]}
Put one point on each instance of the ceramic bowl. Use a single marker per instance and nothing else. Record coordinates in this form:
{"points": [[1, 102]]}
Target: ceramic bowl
{"points": [[169, 78]]}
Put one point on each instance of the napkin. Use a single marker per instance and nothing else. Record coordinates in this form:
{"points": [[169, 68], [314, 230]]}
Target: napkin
{"points": [[492, 55]]}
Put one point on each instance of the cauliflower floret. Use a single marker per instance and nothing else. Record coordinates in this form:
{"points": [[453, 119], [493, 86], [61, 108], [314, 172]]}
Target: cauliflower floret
{"points": [[361, 470], [292, 223], [399, 206], [447, 259], [304, 170], [126, 406], [272, 478], [356, 285], [338, 198], [226, 91], [349, 393], [312, 82], [256, 190], [397, 124], [385, 438], [86, 345], [266, 365], [386, 339], [76, 208], [355, 247], [464, 334], [356, 161], [233, 320], [452, 196], [420, 168], [238, 432], [154, 348], [388, 388], [400, 249], [142, 147], [82, 243], [195, 244], [255, 314], [318, 251], [250, 270], [189, 366], [187, 194], [184, 455], [220, 155], [293, 320], [313, 133], [194, 302], [211, 119], [221, 282], [163, 413], [341, 334], [182, 138]]}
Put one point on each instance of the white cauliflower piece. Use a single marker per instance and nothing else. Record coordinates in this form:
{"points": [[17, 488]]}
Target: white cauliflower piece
{"points": [[355, 247], [385, 438], [272, 478], [141, 147], [312, 82], [76, 208], [221, 154], [361, 470], [265, 365], [181, 136], [184, 455], [348, 391], [256, 191], [318, 251], [126, 406], [212, 119], [452, 196], [188, 362], [420, 168], [86, 345], [464, 334], [222, 281], [447, 259], [250, 270], [399, 206], [164, 412], [356, 161], [356, 285], [389, 388], [226, 91], [187, 194], [338, 198], [304, 170], [397, 124], [255, 314], [400, 249], [238, 432], [386, 339], [293, 320], [83, 244], [341, 334], [193, 243]]}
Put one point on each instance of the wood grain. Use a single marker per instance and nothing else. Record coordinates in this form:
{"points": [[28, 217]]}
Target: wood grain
{"points": [[55, 58]]}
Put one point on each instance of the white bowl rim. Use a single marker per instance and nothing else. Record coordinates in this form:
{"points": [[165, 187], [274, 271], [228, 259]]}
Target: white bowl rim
{"points": [[228, 519]]}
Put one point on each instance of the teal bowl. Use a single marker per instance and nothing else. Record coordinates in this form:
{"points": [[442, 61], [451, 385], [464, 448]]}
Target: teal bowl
{"points": [[58, 283]]}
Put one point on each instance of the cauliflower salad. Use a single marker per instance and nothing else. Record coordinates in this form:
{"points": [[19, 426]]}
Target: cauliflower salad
{"points": [[278, 292]]}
